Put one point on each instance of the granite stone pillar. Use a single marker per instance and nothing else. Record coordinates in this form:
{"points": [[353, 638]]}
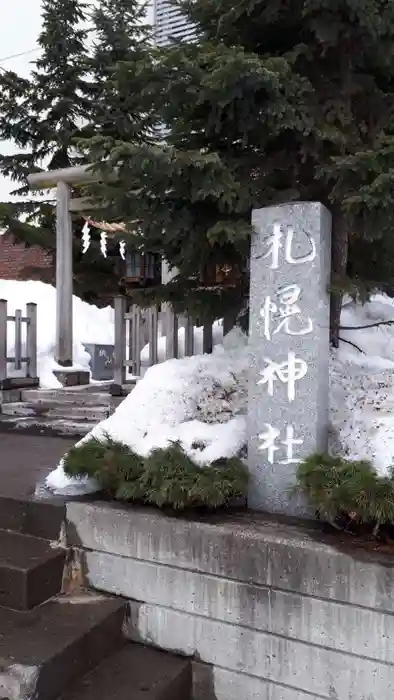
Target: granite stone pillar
{"points": [[289, 343]]}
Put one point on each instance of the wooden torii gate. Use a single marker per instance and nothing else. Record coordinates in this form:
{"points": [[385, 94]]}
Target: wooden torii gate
{"points": [[63, 180]]}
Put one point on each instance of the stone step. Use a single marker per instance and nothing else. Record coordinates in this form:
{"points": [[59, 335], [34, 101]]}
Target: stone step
{"points": [[66, 396], [56, 410], [136, 673], [43, 651], [27, 516], [31, 571], [57, 427]]}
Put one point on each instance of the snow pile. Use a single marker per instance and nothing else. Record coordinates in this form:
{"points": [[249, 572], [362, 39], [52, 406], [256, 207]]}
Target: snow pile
{"points": [[362, 385], [180, 401], [202, 401], [90, 325]]}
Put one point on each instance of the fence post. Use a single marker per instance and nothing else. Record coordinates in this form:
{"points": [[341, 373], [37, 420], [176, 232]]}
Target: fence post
{"points": [[18, 339], [120, 341], [135, 340], [229, 321], [31, 340], [3, 339], [170, 322], [189, 336], [153, 335], [207, 338]]}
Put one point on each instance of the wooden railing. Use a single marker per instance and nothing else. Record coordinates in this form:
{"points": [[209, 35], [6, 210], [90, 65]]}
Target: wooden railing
{"points": [[135, 328], [29, 359]]}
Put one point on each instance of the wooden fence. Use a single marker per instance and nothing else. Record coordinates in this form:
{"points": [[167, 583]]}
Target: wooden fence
{"points": [[136, 327], [29, 359]]}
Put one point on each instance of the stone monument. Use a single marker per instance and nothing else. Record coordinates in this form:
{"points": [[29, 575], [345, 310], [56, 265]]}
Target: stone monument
{"points": [[289, 342]]}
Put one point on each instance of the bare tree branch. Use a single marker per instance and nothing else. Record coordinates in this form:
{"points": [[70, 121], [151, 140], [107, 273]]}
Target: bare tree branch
{"points": [[350, 343], [371, 325]]}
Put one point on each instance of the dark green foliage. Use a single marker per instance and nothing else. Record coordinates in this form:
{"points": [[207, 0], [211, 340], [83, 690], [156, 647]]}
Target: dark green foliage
{"points": [[120, 36], [335, 486], [167, 477], [278, 101], [69, 96], [111, 463], [42, 114]]}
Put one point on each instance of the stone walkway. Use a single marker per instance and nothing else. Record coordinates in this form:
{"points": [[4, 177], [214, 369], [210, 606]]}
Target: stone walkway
{"points": [[26, 460]]}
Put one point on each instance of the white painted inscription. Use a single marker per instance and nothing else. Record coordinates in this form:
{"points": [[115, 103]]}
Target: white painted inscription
{"points": [[285, 314], [275, 245], [270, 441], [288, 372]]}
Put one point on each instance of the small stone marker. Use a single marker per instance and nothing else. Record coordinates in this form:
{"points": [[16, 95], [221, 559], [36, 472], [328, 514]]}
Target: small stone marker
{"points": [[102, 360], [289, 341]]}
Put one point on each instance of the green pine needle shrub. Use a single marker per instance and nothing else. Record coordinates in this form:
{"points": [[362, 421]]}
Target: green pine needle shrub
{"points": [[166, 477], [336, 486]]}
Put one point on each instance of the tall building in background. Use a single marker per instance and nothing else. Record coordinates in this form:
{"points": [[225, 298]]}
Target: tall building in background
{"points": [[170, 23]]}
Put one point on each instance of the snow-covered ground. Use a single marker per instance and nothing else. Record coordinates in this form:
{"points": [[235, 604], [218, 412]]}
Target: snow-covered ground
{"points": [[90, 325], [362, 385], [201, 401]]}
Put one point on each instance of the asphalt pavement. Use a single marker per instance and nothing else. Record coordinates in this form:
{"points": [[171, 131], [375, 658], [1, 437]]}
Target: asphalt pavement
{"points": [[26, 460]]}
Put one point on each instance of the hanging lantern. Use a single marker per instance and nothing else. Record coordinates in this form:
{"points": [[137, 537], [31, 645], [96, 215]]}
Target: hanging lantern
{"points": [[141, 267]]}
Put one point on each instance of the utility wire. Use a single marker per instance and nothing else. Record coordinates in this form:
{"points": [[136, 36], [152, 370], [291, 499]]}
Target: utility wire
{"points": [[17, 55]]}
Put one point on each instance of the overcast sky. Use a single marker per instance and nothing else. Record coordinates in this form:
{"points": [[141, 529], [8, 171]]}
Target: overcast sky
{"points": [[19, 29]]}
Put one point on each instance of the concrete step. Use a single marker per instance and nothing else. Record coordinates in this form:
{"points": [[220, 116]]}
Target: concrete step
{"points": [[56, 410], [56, 427], [31, 571], [44, 651], [39, 518], [66, 396], [136, 673]]}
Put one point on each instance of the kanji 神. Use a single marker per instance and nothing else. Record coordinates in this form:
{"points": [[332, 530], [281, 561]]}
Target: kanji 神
{"points": [[269, 441], [275, 245], [287, 372], [282, 312]]}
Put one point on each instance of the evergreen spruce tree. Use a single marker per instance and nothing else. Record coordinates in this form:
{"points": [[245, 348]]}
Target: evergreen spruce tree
{"points": [[121, 36], [68, 96], [278, 101], [42, 115]]}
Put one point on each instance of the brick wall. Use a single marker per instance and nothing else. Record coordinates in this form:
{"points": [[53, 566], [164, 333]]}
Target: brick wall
{"points": [[14, 258]]}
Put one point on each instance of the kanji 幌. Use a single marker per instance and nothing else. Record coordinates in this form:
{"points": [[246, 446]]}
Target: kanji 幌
{"points": [[284, 314]]}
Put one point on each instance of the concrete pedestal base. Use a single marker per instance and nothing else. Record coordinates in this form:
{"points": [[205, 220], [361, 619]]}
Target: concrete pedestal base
{"points": [[72, 377]]}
